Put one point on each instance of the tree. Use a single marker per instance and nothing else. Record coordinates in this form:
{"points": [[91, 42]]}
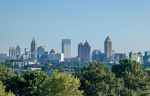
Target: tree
{"points": [[126, 67], [28, 83], [62, 84], [5, 73], [3, 92], [135, 81], [98, 80]]}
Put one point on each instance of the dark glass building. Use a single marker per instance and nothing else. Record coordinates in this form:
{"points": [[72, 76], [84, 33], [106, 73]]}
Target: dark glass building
{"points": [[84, 52]]}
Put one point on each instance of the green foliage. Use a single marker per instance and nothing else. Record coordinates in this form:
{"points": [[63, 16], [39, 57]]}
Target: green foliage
{"points": [[62, 84], [28, 83], [5, 73], [3, 92], [126, 67], [98, 80], [126, 79]]}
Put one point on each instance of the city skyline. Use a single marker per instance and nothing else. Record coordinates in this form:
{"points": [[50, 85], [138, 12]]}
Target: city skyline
{"points": [[50, 21]]}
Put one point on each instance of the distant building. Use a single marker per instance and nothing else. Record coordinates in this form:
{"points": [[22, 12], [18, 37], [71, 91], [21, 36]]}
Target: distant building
{"points": [[3, 57], [18, 52], [40, 52], [72, 65], [84, 52], [146, 58], [97, 55], [108, 48], [26, 54], [56, 57], [12, 53], [33, 49], [66, 48], [119, 56], [138, 57]]}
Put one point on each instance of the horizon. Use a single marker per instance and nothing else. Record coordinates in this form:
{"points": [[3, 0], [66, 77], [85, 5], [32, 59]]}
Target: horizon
{"points": [[48, 21]]}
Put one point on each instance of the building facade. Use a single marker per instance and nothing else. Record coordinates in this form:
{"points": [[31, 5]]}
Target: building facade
{"points": [[146, 58], [40, 52], [84, 52], [12, 53], [108, 48], [66, 48], [33, 49], [18, 52], [97, 55]]}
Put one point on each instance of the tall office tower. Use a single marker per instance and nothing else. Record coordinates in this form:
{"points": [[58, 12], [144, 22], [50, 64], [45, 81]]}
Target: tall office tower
{"points": [[84, 52], [108, 48], [18, 52], [33, 49], [12, 53], [66, 48]]}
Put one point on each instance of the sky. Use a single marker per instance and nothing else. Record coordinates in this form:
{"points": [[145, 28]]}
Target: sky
{"points": [[127, 22]]}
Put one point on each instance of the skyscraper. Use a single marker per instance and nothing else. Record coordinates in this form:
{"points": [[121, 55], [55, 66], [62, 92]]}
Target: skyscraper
{"points": [[84, 52], [18, 52], [108, 48], [66, 48], [33, 49]]}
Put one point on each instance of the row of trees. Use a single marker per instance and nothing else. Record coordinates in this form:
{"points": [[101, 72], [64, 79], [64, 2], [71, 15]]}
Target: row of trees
{"points": [[126, 79], [38, 83]]}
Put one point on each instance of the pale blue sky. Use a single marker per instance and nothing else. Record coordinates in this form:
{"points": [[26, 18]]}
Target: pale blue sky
{"points": [[127, 21]]}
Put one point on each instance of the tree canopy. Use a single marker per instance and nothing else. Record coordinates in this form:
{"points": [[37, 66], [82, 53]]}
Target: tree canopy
{"points": [[62, 84]]}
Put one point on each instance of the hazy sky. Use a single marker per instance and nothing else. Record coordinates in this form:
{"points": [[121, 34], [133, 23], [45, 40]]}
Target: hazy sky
{"points": [[127, 22]]}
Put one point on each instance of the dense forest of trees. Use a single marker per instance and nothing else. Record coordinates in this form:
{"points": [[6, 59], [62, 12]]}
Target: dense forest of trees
{"points": [[125, 79]]}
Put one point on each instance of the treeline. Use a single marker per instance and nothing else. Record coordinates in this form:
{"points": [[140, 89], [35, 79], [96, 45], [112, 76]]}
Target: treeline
{"points": [[126, 79]]}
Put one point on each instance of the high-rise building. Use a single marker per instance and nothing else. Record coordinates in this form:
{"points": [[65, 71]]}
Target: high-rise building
{"points": [[108, 48], [18, 52], [84, 52], [66, 48], [33, 49]]}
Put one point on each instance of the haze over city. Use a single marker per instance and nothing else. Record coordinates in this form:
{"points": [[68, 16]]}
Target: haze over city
{"points": [[49, 21]]}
